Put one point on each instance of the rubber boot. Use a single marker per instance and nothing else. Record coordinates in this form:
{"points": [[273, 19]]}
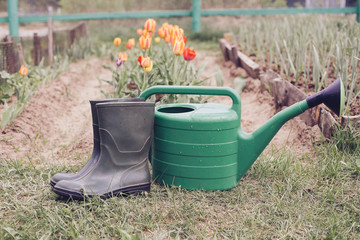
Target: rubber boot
{"points": [[96, 140], [125, 138]]}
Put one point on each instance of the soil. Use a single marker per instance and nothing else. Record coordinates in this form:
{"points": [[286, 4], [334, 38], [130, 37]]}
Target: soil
{"points": [[58, 117], [56, 125]]}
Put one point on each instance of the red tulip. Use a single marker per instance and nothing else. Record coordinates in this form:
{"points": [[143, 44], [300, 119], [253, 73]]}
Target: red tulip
{"points": [[189, 54], [140, 59]]}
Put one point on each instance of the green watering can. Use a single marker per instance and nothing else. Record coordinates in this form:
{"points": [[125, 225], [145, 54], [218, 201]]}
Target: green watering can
{"points": [[202, 146]]}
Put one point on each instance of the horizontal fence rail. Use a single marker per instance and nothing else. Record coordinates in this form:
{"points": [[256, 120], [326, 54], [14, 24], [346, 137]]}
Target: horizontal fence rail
{"points": [[196, 13]]}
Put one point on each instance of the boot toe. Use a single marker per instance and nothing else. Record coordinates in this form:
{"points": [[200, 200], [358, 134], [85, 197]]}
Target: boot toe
{"points": [[60, 176], [68, 188]]}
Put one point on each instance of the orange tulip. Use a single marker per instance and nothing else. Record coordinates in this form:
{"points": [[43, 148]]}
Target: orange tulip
{"points": [[145, 42], [167, 35], [165, 25], [147, 64], [23, 71], [117, 41], [161, 32], [150, 25], [131, 43], [145, 33], [139, 31], [124, 57], [189, 54], [179, 47]]}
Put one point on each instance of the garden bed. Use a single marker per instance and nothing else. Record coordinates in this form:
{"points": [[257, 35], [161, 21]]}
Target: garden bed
{"points": [[284, 93]]}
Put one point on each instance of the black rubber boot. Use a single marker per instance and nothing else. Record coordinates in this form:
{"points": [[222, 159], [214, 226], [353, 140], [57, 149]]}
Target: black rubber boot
{"points": [[96, 148], [125, 137]]}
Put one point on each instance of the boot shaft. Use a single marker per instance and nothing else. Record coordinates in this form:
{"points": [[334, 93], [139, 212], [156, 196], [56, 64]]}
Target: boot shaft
{"points": [[94, 115], [126, 125]]}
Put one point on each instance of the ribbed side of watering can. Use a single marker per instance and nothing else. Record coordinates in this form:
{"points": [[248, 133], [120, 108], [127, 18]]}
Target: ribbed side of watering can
{"points": [[195, 146]]}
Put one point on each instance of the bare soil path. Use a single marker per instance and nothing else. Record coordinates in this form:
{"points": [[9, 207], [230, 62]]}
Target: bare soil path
{"points": [[57, 121], [56, 125]]}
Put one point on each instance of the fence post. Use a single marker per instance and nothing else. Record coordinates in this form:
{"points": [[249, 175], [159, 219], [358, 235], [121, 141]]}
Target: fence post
{"points": [[10, 55], [50, 42], [358, 11], [12, 9], [196, 15], [37, 49]]}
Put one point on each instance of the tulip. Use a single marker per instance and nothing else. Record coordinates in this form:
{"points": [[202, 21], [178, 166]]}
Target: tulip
{"points": [[145, 43], [166, 35], [140, 59], [150, 25], [119, 62], [23, 71], [117, 41], [146, 62], [157, 39], [161, 32], [165, 25], [146, 33], [148, 69], [179, 47], [189, 54], [167, 38], [139, 31], [123, 56], [128, 46], [131, 43]]}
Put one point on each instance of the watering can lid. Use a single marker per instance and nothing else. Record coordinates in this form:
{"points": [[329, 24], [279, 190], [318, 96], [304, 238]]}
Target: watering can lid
{"points": [[197, 117]]}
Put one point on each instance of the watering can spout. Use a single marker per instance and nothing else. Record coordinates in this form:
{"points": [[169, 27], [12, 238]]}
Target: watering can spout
{"points": [[251, 145]]}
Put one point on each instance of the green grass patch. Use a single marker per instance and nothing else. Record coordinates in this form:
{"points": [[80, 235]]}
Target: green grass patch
{"points": [[281, 196]]}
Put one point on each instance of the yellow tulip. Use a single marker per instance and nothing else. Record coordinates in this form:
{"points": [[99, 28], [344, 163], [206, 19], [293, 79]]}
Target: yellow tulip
{"points": [[157, 39], [148, 69]]}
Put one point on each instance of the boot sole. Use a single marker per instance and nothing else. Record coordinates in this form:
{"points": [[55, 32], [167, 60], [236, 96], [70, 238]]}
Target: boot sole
{"points": [[52, 183], [133, 190]]}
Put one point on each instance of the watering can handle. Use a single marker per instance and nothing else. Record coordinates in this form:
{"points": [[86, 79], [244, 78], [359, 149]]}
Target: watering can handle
{"points": [[195, 90]]}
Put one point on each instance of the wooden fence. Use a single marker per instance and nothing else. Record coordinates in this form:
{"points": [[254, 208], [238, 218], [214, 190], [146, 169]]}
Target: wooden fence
{"points": [[196, 13], [12, 55]]}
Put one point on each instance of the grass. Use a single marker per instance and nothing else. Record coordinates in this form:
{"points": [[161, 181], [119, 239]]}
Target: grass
{"points": [[282, 196]]}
